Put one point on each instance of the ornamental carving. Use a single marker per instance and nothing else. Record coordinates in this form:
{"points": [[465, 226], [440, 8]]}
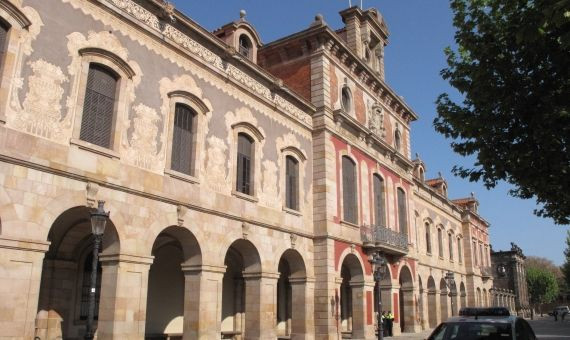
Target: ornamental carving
{"points": [[142, 147], [376, 121], [216, 164], [269, 194], [41, 110]]}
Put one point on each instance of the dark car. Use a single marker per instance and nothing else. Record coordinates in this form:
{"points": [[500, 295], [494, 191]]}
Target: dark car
{"points": [[483, 324]]}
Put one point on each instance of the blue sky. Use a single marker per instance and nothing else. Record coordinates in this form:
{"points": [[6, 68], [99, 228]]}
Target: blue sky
{"points": [[420, 30]]}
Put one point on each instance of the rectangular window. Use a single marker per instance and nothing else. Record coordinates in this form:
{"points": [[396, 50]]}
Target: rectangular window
{"points": [[475, 253], [459, 251], [402, 211], [428, 239], [291, 183], [244, 164], [349, 190], [182, 139], [451, 247], [379, 210], [99, 106]]}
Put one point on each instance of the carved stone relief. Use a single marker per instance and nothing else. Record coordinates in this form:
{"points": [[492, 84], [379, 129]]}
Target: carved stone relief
{"points": [[269, 194], [376, 121], [142, 147], [216, 161], [41, 111]]}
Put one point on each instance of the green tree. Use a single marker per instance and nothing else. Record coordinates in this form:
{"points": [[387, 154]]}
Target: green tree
{"points": [[566, 266], [542, 286], [511, 68]]}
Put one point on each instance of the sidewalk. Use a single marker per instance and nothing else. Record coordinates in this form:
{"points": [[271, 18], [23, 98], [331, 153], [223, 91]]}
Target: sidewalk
{"points": [[547, 328]]}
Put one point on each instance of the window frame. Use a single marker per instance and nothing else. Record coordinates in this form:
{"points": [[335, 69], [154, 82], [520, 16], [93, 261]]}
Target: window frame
{"points": [[125, 74], [429, 245], [258, 139], [440, 241], [301, 158], [384, 199], [405, 216], [345, 89], [451, 237], [398, 140], [342, 197], [200, 111], [459, 249]]}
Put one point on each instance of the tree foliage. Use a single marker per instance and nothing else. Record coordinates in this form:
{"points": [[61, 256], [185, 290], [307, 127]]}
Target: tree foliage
{"points": [[542, 285], [566, 265], [511, 67]]}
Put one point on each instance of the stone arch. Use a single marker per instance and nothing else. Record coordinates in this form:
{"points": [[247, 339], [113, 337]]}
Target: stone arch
{"points": [[176, 251], [432, 302], [291, 295], [478, 297], [444, 299], [241, 290], [463, 295], [66, 273], [406, 300], [484, 302], [351, 293]]}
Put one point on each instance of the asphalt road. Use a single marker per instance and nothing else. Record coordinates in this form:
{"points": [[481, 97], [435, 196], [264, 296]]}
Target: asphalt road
{"points": [[546, 328]]}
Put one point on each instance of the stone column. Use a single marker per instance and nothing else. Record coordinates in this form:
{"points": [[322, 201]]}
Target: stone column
{"points": [[202, 301], [424, 309], [411, 322], [358, 310], [124, 288], [20, 276], [302, 322], [260, 305]]}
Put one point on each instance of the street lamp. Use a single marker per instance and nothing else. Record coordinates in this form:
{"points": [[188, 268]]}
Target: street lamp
{"points": [[450, 281], [379, 263], [98, 221]]}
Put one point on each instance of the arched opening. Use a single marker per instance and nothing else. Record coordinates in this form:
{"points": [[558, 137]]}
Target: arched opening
{"points": [[432, 303], [478, 298], [291, 297], [346, 99], [66, 274], [240, 297], [351, 297], [444, 299], [463, 295], [485, 302], [406, 295], [398, 140], [385, 291], [245, 46], [174, 249]]}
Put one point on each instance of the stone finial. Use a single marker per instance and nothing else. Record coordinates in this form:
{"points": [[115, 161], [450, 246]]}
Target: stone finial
{"points": [[439, 174], [242, 14], [319, 20], [472, 194]]}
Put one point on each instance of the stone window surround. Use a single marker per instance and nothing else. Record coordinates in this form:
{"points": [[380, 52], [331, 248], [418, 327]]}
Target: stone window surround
{"points": [[459, 248], [373, 212], [347, 153], [258, 138], [11, 65], [346, 89], [406, 201], [252, 40], [301, 159], [125, 75], [428, 224], [451, 236], [198, 140], [440, 243]]}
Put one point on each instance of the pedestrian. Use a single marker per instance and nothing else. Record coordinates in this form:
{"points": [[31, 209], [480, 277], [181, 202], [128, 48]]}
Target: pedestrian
{"points": [[390, 318], [564, 315], [555, 313]]}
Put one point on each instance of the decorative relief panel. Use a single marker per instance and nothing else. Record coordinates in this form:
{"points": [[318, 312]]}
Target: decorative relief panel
{"points": [[269, 190], [41, 111], [217, 164], [376, 121], [142, 148]]}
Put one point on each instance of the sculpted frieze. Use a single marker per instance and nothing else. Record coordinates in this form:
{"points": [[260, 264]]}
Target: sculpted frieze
{"points": [[217, 164], [142, 148]]}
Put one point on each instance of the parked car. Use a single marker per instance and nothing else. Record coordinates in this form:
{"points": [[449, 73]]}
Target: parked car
{"points": [[562, 310], [483, 324]]}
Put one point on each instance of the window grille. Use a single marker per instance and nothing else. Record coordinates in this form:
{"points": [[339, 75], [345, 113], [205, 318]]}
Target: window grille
{"points": [[349, 190], [379, 204], [244, 164], [99, 106], [183, 139], [292, 183]]}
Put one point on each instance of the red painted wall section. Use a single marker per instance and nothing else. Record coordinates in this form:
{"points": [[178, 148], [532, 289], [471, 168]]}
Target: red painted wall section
{"points": [[339, 247], [396, 304], [369, 308]]}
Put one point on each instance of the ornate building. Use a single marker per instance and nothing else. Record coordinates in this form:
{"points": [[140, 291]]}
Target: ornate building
{"points": [[248, 183], [510, 286]]}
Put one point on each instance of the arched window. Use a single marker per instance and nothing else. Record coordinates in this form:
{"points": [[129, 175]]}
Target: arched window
{"points": [[450, 246], [402, 211], [244, 182], [349, 198], [245, 46], [440, 241], [183, 139], [346, 99], [379, 204], [428, 239], [459, 251], [398, 140], [99, 106], [4, 29], [291, 183]]}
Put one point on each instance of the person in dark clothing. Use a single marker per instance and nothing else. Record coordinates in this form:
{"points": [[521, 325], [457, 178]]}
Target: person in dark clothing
{"points": [[384, 324], [555, 315], [390, 319]]}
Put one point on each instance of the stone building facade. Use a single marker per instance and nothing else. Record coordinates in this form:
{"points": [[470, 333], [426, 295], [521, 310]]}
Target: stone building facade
{"points": [[510, 285], [248, 183]]}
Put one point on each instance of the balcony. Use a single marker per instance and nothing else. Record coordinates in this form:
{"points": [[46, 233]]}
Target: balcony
{"points": [[384, 239], [486, 273]]}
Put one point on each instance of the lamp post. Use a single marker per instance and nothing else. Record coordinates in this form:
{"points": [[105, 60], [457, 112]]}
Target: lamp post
{"points": [[98, 221], [449, 277], [379, 263]]}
